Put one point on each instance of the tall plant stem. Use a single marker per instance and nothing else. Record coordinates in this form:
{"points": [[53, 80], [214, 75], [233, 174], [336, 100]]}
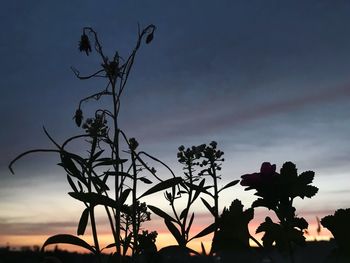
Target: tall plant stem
{"points": [[134, 205], [94, 232], [115, 152], [216, 199]]}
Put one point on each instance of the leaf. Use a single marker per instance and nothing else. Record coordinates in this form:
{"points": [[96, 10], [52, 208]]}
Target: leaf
{"points": [[306, 177], [67, 239], [230, 184], [118, 173], [199, 188], [206, 231], [98, 182], [162, 186], [109, 161], [69, 166], [183, 213], [198, 191], [175, 232], [83, 222], [204, 253], [208, 206], [160, 213], [71, 183], [189, 224], [96, 155], [145, 180], [124, 196], [94, 199]]}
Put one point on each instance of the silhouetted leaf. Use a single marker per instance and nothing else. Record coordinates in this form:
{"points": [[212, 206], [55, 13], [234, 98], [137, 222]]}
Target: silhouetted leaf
{"points": [[83, 222], [80, 186], [71, 183], [199, 188], [189, 224], [145, 180], [198, 191], [175, 232], [300, 223], [160, 213], [306, 177], [94, 199], [230, 184], [162, 186], [208, 206], [204, 253], [109, 161], [98, 182], [119, 174], [96, 155], [124, 196], [69, 166], [206, 231], [67, 239], [183, 213]]}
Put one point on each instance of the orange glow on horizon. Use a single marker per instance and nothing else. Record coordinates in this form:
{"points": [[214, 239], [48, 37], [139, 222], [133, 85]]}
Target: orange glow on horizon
{"points": [[164, 239]]}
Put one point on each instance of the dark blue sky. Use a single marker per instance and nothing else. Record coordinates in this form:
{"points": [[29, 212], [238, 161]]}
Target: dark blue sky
{"points": [[269, 80]]}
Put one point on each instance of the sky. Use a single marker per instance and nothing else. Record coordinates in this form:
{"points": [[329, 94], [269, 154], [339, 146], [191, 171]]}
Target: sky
{"points": [[268, 80]]}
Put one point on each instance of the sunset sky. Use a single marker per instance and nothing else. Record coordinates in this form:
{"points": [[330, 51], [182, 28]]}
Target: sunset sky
{"points": [[268, 80]]}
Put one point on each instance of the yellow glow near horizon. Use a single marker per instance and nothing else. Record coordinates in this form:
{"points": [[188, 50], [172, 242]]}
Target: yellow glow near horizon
{"points": [[164, 239]]}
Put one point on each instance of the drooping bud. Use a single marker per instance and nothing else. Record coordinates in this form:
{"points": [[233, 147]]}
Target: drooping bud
{"points": [[78, 117], [149, 38], [133, 144], [84, 44]]}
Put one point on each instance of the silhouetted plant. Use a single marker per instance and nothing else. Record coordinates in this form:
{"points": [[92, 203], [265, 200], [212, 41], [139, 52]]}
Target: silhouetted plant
{"points": [[208, 159], [89, 175], [277, 191], [338, 224], [233, 233]]}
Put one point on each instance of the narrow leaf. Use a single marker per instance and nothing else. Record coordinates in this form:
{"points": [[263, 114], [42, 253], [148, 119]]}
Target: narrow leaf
{"points": [[83, 222], [109, 161], [230, 184], [204, 253], [145, 180], [175, 232], [208, 206], [71, 183], [206, 231], [96, 155], [69, 166], [124, 196], [67, 239], [189, 224], [198, 191], [162, 186], [94, 199], [183, 213], [160, 213]]}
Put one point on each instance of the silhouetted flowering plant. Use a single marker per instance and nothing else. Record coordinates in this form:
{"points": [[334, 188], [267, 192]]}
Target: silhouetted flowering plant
{"points": [[338, 224], [277, 191], [233, 233]]}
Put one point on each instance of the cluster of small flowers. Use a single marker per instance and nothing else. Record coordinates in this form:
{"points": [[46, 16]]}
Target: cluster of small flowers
{"points": [[96, 126]]}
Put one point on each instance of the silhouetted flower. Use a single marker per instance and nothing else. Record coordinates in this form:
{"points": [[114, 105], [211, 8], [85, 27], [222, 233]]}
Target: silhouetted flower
{"points": [[96, 126], [257, 180], [84, 44]]}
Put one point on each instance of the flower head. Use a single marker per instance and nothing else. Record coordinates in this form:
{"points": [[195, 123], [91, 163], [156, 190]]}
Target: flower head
{"points": [[257, 180], [84, 44]]}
